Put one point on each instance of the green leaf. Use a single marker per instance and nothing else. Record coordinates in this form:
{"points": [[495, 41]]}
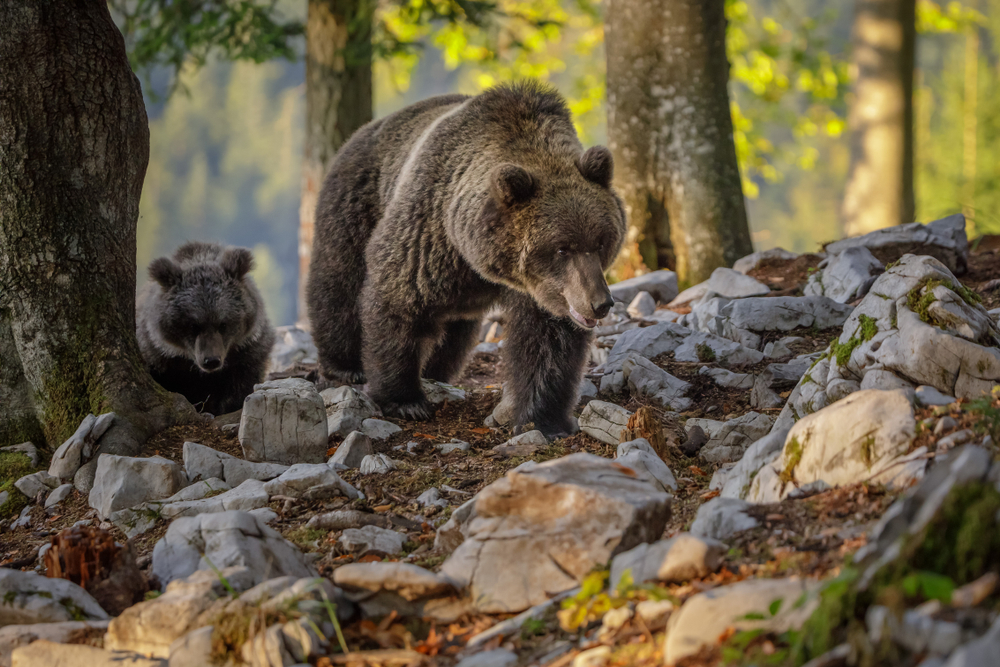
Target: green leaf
{"points": [[775, 606]]}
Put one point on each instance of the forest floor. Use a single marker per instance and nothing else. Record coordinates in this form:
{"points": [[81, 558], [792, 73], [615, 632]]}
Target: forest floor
{"points": [[811, 537]]}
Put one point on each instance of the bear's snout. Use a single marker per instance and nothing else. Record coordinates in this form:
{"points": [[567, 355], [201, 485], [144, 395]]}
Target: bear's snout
{"points": [[210, 351]]}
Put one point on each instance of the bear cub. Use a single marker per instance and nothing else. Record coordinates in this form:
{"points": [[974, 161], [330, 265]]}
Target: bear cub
{"points": [[201, 326], [436, 213]]}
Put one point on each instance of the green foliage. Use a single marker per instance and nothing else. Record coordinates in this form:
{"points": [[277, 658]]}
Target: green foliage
{"points": [[533, 627], [593, 601], [989, 412], [161, 33], [705, 353], [13, 466], [929, 586]]}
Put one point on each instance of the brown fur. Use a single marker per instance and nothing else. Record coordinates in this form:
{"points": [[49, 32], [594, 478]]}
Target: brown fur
{"points": [[432, 215]]}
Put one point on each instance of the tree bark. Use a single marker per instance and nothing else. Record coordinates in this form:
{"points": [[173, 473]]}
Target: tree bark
{"points": [[75, 144], [671, 133], [338, 101], [879, 190]]}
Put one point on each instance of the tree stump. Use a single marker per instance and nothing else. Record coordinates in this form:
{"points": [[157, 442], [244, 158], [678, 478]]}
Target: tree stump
{"points": [[644, 424], [89, 557]]}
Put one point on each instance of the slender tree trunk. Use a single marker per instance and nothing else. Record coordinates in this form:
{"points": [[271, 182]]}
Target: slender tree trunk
{"points": [[671, 133], [338, 101], [969, 127], [75, 144], [879, 190]]}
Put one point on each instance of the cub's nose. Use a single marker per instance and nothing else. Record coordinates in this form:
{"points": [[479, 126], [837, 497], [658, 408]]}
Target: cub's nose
{"points": [[602, 307], [211, 363]]}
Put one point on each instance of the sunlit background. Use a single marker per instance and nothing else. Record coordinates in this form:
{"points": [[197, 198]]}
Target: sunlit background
{"points": [[226, 145]]}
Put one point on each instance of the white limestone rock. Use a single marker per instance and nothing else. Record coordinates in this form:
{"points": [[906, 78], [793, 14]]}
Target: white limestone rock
{"points": [[26, 597], [352, 451], [376, 464], [76, 451], [639, 456], [439, 392], [604, 421], [284, 421], [723, 282], [785, 604], [735, 482], [203, 462], [661, 285], [720, 518], [728, 440], [310, 481], [372, 538], [850, 440], [524, 444], [706, 347], [943, 239], [844, 277], [226, 539], [59, 494], [125, 481], [35, 483], [642, 305], [673, 560], [346, 409], [728, 379], [577, 511], [378, 429], [647, 380], [16, 636], [753, 260]]}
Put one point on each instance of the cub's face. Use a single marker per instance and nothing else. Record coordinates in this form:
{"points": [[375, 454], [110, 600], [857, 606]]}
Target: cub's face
{"points": [[206, 308], [560, 236]]}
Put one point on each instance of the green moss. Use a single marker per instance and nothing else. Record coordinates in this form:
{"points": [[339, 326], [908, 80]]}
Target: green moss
{"points": [[867, 327], [892, 265], [75, 612], [962, 541], [705, 353], [868, 450], [793, 453], [807, 378], [13, 466], [305, 537], [842, 352]]}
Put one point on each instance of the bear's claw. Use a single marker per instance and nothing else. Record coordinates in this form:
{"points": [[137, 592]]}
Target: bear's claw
{"points": [[420, 411]]}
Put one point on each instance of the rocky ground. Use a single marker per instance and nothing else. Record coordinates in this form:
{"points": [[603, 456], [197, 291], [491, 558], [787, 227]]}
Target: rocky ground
{"points": [[791, 462]]}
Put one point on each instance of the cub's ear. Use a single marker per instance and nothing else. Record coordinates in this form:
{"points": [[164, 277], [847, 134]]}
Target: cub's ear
{"points": [[597, 165], [511, 184], [166, 272], [236, 262]]}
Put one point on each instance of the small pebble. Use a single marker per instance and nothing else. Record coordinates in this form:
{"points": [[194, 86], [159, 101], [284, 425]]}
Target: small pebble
{"points": [[945, 424]]}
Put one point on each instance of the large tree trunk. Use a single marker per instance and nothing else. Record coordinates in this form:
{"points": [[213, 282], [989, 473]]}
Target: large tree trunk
{"points": [[879, 190], [671, 133], [338, 101], [74, 144]]}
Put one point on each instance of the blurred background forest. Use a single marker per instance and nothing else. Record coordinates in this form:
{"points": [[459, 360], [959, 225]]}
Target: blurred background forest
{"points": [[227, 137]]}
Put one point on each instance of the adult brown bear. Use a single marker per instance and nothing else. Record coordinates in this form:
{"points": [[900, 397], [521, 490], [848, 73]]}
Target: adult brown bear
{"points": [[432, 215]]}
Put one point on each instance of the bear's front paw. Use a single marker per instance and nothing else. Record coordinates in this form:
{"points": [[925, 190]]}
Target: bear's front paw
{"points": [[417, 411], [344, 377]]}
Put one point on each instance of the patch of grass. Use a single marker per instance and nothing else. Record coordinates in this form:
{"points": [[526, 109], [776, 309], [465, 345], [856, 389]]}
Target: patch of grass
{"points": [[13, 466], [705, 353], [305, 537], [989, 412], [794, 455], [533, 627]]}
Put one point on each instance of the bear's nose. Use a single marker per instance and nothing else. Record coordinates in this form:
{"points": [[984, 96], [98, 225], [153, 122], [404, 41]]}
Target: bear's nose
{"points": [[211, 363], [602, 307]]}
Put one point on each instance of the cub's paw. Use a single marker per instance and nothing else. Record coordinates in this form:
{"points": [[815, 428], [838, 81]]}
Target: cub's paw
{"points": [[416, 411]]}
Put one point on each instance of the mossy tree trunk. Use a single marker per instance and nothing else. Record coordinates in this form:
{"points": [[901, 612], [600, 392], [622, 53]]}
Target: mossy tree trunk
{"points": [[671, 133], [75, 144], [338, 101], [879, 191]]}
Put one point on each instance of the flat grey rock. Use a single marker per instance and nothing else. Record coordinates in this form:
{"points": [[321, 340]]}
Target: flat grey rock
{"points": [[378, 429], [311, 481], [203, 462], [943, 239], [31, 598], [721, 518], [845, 277], [723, 282], [604, 421], [372, 538], [125, 481], [639, 456], [346, 409], [753, 260], [673, 560]]}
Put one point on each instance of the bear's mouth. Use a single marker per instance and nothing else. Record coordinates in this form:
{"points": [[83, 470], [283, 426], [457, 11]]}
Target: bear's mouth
{"points": [[581, 320]]}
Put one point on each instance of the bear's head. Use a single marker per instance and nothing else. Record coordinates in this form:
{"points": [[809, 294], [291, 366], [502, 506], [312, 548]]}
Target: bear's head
{"points": [[557, 234], [206, 307]]}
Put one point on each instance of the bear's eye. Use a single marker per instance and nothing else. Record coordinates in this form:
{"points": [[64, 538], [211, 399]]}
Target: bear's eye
{"points": [[563, 251]]}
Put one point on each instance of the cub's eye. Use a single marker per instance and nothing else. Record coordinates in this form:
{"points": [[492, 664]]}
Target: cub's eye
{"points": [[563, 252]]}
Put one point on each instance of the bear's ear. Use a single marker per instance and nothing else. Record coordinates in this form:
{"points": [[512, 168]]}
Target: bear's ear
{"points": [[236, 262], [511, 184], [166, 272], [597, 165]]}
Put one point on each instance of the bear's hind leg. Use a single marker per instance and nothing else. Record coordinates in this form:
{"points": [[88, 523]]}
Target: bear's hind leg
{"points": [[544, 358], [450, 355]]}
